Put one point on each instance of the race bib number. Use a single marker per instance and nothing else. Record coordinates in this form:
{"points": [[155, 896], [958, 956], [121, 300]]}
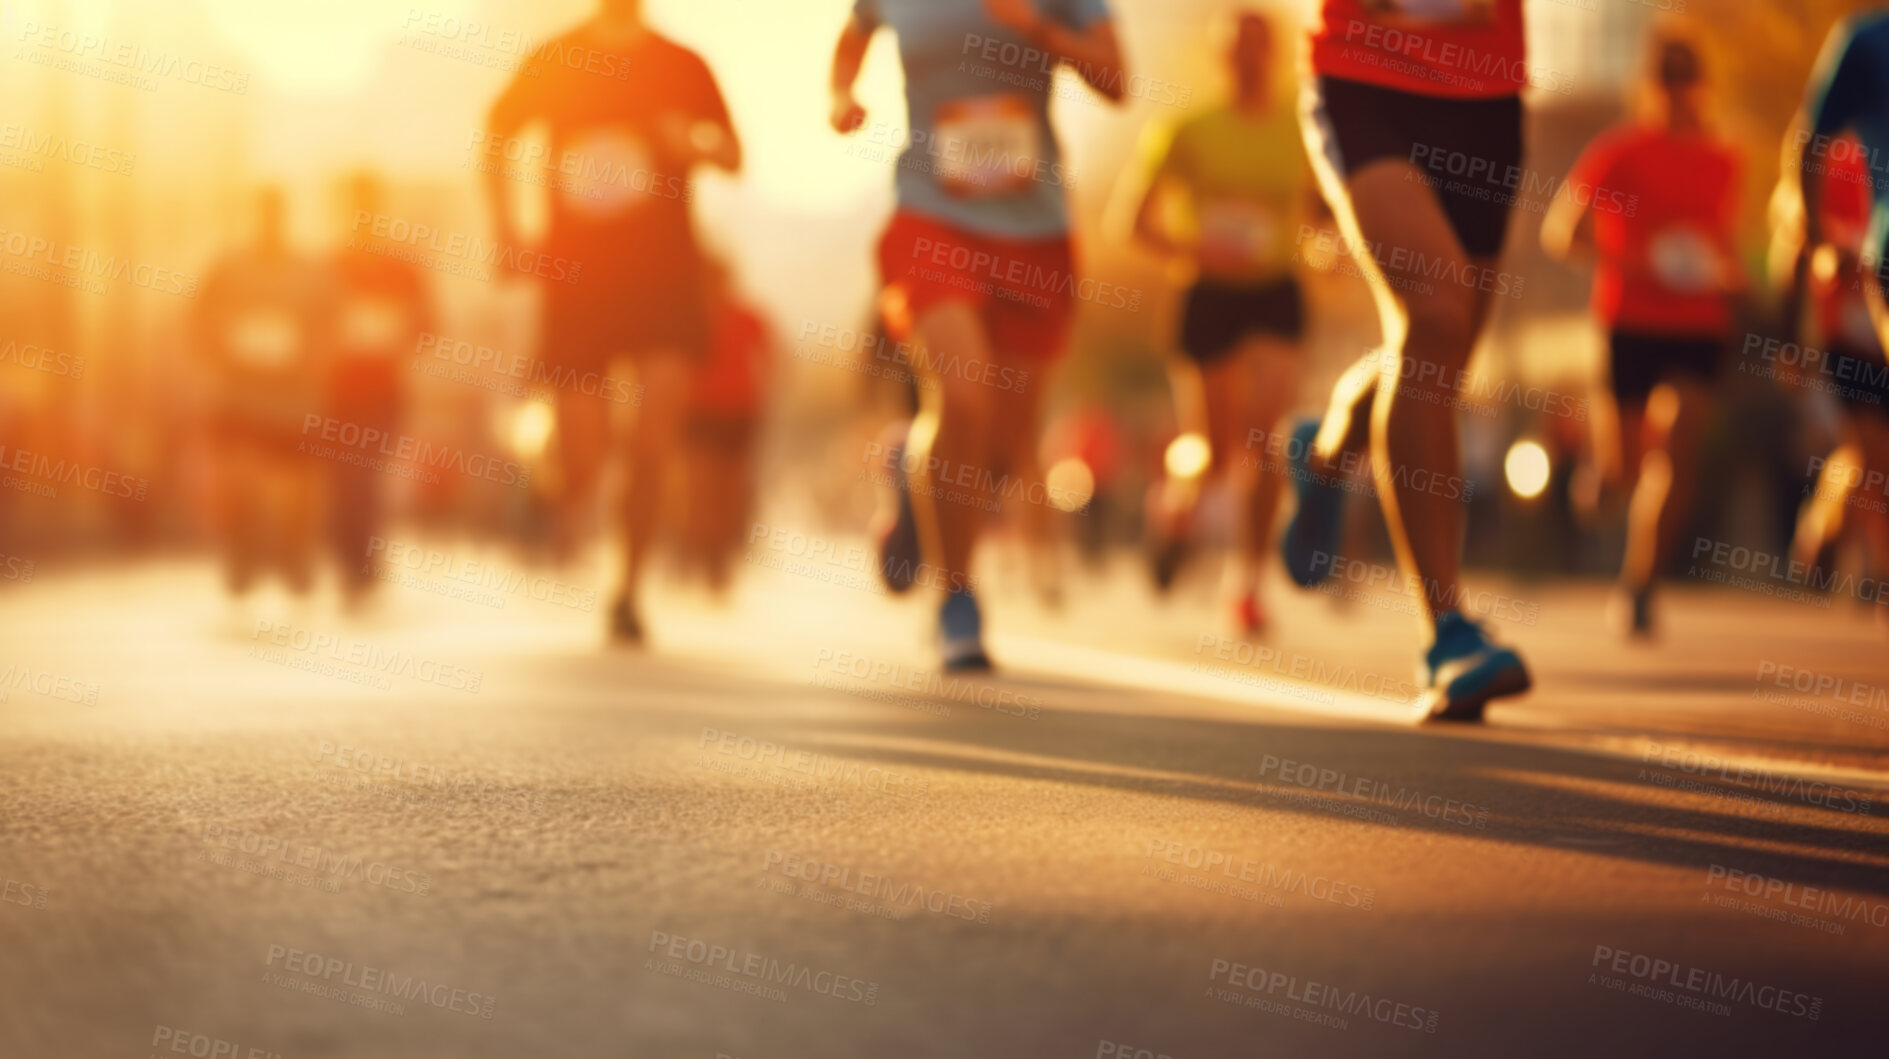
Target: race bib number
{"points": [[1684, 261], [605, 174], [264, 340], [1236, 232], [373, 325], [987, 147]]}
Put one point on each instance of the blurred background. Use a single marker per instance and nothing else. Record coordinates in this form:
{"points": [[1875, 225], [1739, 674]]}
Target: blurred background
{"points": [[126, 184]]}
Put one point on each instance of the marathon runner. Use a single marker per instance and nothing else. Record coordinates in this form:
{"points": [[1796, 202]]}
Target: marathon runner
{"points": [[262, 323], [1239, 170], [976, 263], [382, 309], [1401, 91], [1666, 279], [630, 115]]}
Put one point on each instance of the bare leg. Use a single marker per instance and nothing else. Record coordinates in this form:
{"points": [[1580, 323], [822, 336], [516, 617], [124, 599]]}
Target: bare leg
{"points": [[951, 437], [653, 442], [1662, 500], [1273, 365], [1025, 492], [1431, 325]]}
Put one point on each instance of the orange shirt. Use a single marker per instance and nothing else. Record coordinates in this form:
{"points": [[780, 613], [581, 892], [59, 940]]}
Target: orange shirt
{"points": [[1451, 49], [1663, 255]]}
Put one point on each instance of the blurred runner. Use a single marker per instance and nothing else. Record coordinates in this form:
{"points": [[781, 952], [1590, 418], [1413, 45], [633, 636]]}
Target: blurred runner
{"points": [[630, 115], [725, 406], [1849, 94], [382, 308], [1395, 82], [1666, 275], [977, 263], [1240, 171], [261, 322], [1842, 355]]}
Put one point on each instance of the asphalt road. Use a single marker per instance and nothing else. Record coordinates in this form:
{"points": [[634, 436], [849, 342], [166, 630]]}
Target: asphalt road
{"points": [[459, 826]]}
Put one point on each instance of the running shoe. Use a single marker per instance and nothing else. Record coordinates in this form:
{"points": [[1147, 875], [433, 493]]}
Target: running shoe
{"points": [[1463, 671], [897, 537], [625, 627], [961, 632], [1632, 613], [1318, 523]]}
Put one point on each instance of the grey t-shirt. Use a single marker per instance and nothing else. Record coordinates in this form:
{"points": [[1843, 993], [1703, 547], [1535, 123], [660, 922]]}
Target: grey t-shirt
{"points": [[979, 152]]}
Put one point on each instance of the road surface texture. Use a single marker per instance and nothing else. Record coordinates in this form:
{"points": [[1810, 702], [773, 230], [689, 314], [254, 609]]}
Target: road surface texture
{"points": [[458, 825]]}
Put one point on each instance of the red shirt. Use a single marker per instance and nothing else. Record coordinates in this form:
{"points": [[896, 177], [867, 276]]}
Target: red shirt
{"points": [[1843, 319], [1450, 49], [1661, 254]]}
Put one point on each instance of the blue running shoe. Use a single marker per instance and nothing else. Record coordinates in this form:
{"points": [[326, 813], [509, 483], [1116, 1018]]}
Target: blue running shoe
{"points": [[1463, 672], [1318, 524], [961, 631]]}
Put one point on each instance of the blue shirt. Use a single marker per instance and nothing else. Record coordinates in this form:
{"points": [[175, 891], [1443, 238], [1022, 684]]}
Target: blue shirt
{"points": [[979, 153], [1850, 91]]}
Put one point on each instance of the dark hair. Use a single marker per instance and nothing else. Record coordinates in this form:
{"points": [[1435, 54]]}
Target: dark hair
{"points": [[1677, 63]]}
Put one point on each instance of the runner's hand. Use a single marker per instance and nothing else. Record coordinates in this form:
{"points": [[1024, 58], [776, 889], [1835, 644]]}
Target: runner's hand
{"points": [[847, 115], [1019, 16]]}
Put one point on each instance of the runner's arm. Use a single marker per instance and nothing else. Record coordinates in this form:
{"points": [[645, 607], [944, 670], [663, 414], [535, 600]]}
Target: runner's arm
{"points": [[1568, 230], [1093, 51], [848, 56], [513, 111]]}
